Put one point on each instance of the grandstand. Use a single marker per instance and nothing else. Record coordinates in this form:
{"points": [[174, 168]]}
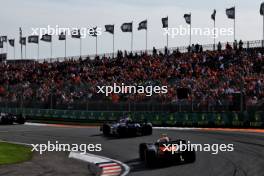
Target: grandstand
{"points": [[230, 78]]}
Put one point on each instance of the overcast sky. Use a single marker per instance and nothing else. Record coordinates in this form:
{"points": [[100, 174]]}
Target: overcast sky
{"points": [[86, 13]]}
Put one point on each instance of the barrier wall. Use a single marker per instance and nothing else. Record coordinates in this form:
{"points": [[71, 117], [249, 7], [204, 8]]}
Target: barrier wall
{"points": [[193, 119]]}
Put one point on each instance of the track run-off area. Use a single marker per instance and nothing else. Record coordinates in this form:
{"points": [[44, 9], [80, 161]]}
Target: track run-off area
{"points": [[247, 159]]}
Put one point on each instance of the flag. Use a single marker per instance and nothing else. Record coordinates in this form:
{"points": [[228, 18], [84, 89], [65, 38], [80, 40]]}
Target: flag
{"points": [[262, 8], [188, 18], [213, 15], [46, 38], [94, 34], [11, 42], [231, 13], [62, 36], [3, 57], [165, 22], [3, 38], [110, 28], [22, 41], [33, 39], [76, 34], [1, 44], [143, 25], [127, 27]]}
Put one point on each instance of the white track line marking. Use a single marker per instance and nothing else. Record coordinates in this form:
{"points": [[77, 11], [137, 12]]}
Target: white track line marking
{"points": [[108, 165], [112, 171], [87, 157], [112, 168], [175, 128], [19, 143], [35, 124], [109, 174], [96, 159]]}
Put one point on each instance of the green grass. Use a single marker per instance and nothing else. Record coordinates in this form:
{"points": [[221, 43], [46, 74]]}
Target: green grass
{"points": [[13, 153]]}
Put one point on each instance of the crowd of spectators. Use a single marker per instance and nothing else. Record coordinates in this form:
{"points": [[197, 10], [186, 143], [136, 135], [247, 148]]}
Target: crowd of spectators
{"points": [[211, 76]]}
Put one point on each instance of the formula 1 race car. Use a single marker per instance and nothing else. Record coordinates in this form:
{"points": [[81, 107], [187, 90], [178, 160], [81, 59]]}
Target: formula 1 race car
{"points": [[126, 127], [154, 154], [8, 119]]}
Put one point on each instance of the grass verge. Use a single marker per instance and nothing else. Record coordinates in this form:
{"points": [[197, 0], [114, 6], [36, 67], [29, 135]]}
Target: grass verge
{"points": [[14, 153]]}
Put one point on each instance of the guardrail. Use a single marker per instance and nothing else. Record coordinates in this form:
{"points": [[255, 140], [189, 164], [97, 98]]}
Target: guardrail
{"points": [[254, 119], [209, 47]]}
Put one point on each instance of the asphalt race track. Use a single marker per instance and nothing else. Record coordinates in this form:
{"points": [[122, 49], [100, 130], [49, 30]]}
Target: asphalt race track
{"points": [[247, 159]]}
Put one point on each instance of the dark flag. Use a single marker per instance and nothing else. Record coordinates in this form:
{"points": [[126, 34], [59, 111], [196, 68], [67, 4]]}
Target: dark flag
{"points": [[261, 8], [46, 38], [94, 34], [213, 15], [164, 22], [127, 27], [33, 39], [11, 42], [1, 44], [110, 28], [143, 25], [3, 38], [187, 18], [231, 13], [76, 34], [62, 36], [23, 40], [2, 57]]}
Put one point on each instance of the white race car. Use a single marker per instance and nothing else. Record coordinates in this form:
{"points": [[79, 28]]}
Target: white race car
{"points": [[6, 118]]}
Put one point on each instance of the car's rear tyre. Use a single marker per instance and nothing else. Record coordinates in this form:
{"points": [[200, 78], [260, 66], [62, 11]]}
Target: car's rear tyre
{"points": [[147, 130], [142, 148], [189, 156], [121, 131], [150, 158], [106, 130], [21, 120]]}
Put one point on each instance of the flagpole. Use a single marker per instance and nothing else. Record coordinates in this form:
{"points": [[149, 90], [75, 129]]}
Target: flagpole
{"points": [[26, 50], [65, 47], [114, 45], [234, 29], [38, 49], [235, 24], [51, 49], [20, 33], [80, 46], [263, 32], [14, 50], [96, 45], [147, 39], [167, 33], [132, 38], [190, 29], [214, 35], [6, 48]]}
